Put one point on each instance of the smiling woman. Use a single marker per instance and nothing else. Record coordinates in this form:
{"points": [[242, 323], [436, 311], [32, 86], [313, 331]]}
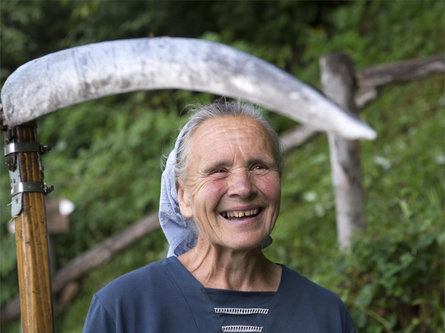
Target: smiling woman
{"points": [[220, 198], [232, 185]]}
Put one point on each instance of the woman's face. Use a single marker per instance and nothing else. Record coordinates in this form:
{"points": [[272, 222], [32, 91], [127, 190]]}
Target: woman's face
{"points": [[232, 186]]}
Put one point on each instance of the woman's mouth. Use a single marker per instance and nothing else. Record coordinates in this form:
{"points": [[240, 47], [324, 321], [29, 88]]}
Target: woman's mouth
{"points": [[240, 214]]}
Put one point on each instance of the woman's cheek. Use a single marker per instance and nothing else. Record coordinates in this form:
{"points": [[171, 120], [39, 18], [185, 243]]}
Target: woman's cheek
{"points": [[271, 186], [214, 188], [208, 194]]}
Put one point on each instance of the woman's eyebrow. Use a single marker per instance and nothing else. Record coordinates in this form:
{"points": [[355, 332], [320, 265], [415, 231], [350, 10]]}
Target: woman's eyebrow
{"points": [[262, 159], [266, 160]]}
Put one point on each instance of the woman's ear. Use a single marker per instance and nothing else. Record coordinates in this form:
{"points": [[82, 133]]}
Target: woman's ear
{"points": [[184, 203]]}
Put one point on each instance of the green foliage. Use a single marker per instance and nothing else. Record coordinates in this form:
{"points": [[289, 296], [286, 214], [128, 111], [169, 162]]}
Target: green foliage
{"points": [[392, 279], [8, 271], [375, 32], [107, 153], [109, 166], [394, 282]]}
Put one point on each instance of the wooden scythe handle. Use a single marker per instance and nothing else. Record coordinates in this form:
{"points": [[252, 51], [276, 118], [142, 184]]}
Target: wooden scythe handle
{"points": [[32, 246]]}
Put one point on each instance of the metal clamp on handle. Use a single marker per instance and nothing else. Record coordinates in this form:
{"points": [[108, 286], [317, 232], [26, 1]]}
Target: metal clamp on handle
{"points": [[22, 140], [31, 187], [21, 147]]}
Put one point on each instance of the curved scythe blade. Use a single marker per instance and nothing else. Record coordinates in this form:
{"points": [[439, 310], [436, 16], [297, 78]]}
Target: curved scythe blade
{"points": [[82, 73]]}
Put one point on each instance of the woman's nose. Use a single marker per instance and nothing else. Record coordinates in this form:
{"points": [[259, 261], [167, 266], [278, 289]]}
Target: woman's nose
{"points": [[240, 184]]}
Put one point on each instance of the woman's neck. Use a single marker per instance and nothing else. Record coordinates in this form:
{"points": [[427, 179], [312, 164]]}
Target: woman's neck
{"points": [[222, 268]]}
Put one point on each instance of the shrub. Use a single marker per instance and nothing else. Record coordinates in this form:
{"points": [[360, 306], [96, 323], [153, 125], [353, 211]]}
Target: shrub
{"points": [[394, 282]]}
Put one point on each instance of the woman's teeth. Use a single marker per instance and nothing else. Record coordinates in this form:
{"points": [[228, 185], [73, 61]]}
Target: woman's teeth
{"points": [[238, 214]]}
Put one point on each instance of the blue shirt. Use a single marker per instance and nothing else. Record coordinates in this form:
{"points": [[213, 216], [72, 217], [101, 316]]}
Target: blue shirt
{"points": [[164, 297]]}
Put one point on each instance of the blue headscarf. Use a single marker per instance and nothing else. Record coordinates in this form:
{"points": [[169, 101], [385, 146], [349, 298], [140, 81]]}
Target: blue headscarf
{"points": [[181, 232]]}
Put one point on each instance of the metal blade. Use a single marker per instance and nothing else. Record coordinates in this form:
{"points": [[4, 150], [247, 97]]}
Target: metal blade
{"points": [[87, 72]]}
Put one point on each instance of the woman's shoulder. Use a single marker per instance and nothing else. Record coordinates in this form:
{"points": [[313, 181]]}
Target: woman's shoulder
{"points": [[311, 305], [297, 284], [149, 278], [148, 294]]}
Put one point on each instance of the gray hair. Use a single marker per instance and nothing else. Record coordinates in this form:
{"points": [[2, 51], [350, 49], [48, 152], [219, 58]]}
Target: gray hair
{"points": [[202, 113]]}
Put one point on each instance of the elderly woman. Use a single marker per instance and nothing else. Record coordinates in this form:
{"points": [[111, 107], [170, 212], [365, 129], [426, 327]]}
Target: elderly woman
{"points": [[220, 199]]}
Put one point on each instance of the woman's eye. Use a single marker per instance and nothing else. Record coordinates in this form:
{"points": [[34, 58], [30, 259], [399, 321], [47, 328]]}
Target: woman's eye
{"points": [[216, 171], [259, 167]]}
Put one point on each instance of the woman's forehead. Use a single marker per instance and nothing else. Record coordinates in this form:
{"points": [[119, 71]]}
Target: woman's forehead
{"points": [[229, 127], [230, 133]]}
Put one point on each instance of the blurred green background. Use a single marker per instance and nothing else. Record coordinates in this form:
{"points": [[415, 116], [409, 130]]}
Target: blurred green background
{"points": [[106, 153]]}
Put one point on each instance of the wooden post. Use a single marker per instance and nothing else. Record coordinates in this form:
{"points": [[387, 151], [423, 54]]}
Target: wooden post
{"points": [[337, 78], [31, 237]]}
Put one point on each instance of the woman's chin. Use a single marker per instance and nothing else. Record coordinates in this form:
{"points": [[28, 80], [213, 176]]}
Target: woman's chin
{"points": [[240, 243]]}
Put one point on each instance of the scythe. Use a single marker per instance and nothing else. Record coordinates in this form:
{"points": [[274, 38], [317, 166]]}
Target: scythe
{"points": [[87, 72]]}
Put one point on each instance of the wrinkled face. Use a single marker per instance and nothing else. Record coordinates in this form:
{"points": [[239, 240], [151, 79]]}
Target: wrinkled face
{"points": [[232, 186]]}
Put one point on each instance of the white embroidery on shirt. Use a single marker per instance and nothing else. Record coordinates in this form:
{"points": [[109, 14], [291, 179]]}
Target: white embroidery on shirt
{"points": [[242, 328], [242, 311]]}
